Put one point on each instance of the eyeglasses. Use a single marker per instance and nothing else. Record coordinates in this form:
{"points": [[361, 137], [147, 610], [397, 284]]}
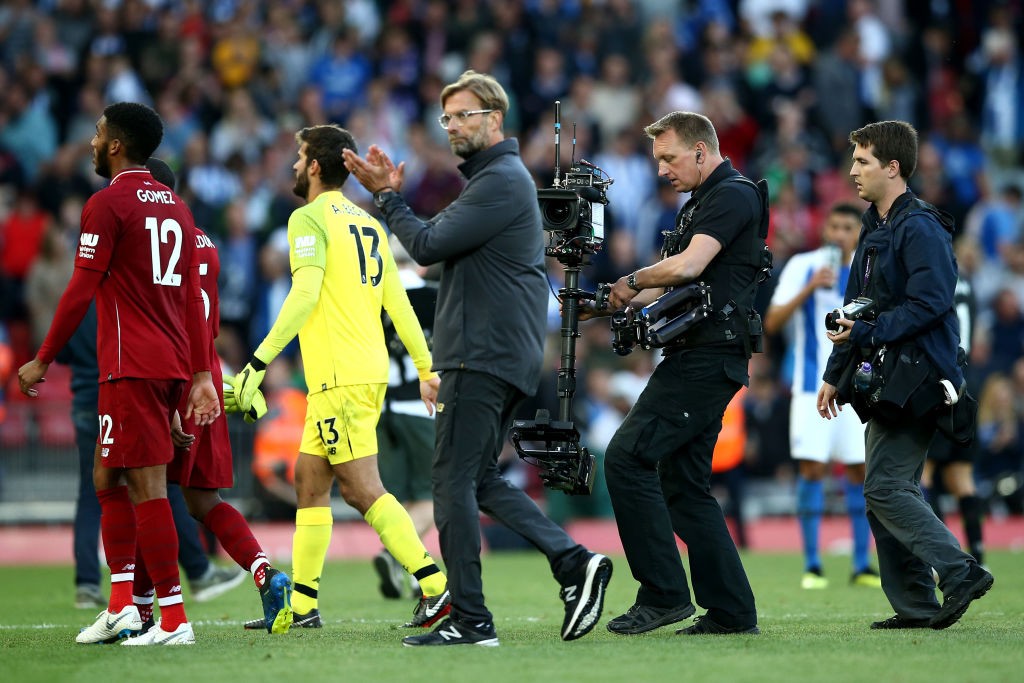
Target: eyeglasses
{"points": [[461, 117]]}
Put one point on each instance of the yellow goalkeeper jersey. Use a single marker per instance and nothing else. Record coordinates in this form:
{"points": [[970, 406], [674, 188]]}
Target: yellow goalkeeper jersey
{"points": [[342, 340]]}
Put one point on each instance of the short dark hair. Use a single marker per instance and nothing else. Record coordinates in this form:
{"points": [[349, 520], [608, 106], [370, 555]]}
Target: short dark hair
{"points": [[689, 126], [161, 172], [846, 209], [891, 140], [325, 144], [137, 126]]}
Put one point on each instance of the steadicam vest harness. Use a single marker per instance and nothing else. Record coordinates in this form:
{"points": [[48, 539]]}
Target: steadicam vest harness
{"points": [[746, 259]]}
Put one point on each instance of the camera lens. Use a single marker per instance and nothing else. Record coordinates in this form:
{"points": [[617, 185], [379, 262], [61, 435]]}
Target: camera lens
{"points": [[558, 214]]}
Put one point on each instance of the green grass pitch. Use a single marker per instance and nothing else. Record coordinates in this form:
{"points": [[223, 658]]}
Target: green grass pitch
{"points": [[806, 635]]}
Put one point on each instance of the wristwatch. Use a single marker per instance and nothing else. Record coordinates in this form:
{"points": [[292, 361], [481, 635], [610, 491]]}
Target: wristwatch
{"points": [[380, 196], [631, 282]]}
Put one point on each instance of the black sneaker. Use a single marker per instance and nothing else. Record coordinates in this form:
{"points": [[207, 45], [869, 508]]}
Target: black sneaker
{"points": [[643, 618], [392, 574], [584, 597], [310, 619], [450, 632], [896, 621], [956, 602], [705, 626]]}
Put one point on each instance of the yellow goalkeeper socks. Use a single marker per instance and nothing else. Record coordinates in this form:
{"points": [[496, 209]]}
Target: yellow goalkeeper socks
{"points": [[309, 548], [398, 534]]}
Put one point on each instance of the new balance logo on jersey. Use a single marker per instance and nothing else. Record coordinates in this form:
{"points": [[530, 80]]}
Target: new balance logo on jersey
{"points": [[305, 246], [86, 243]]}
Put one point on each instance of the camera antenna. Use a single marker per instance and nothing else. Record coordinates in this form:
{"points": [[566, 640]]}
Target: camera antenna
{"points": [[558, 130], [572, 156]]}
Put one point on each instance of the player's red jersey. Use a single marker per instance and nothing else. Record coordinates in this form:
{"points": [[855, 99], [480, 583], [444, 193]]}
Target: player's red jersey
{"points": [[208, 463], [141, 235], [208, 260]]}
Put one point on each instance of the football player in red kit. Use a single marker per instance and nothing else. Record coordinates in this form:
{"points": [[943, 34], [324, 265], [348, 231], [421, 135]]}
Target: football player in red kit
{"points": [[203, 461], [136, 255]]}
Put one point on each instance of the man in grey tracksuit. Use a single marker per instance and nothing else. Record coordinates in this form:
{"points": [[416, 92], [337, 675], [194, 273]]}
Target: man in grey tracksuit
{"points": [[488, 347]]}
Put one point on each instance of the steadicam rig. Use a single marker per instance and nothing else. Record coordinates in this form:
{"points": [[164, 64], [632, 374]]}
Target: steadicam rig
{"points": [[572, 212]]}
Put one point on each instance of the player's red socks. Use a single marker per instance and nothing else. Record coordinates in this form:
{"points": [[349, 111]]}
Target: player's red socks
{"points": [[158, 544], [235, 536], [118, 531]]}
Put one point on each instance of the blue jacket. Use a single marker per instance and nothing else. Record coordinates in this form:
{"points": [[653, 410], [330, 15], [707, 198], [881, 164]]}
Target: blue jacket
{"points": [[906, 265]]}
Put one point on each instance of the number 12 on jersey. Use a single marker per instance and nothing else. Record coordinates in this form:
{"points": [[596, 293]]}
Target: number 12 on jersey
{"points": [[168, 229]]}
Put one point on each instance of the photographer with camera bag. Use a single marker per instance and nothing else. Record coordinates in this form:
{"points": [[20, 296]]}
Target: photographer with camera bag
{"points": [[904, 263], [658, 464], [488, 347]]}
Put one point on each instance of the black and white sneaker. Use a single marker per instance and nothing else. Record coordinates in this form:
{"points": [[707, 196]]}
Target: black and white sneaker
{"points": [[450, 632], [584, 597], [430, 610]]}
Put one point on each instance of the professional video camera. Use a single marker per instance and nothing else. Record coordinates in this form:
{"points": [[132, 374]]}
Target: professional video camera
{"points": [[651, 325], [572, 211]]}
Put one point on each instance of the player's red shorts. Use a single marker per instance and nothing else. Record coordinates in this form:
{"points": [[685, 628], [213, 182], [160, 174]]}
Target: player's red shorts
{"points": [[135, 421], [207, 464]]}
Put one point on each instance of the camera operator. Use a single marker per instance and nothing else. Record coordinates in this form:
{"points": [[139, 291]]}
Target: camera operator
{"points": [[904, 262], [658, 464], [488, 347]]}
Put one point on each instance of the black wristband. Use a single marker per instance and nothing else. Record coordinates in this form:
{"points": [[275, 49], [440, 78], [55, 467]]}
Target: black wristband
{"points": [[257, 364], [381, 195]]}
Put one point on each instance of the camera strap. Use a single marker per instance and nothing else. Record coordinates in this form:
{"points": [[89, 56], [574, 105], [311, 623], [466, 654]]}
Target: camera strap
{"points": [[869, 266]]}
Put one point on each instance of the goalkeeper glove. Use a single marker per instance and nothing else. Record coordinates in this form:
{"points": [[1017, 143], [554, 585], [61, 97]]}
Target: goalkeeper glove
{"points": [[259, 403], [247, 383]]}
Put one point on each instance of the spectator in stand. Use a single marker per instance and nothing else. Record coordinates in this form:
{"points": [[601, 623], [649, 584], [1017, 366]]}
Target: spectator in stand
{"points": [[964, 163], [21, 236], [1001, 333], [615, 102], [737, 130], [1000, 466], [27, 128], [49, 273], [241, 130], [635, 180], [835, 78], [1000, 65], [342, 75]]}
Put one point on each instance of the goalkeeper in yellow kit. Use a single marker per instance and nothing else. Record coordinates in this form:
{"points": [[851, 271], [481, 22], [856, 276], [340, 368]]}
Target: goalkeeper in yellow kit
{"points": [[342, 273]]}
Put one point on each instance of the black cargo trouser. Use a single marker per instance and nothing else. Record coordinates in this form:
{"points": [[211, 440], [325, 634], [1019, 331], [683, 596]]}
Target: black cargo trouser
{"points": [[658, 467]]}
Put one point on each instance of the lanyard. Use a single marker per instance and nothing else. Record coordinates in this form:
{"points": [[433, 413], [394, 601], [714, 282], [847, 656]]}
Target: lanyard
{"points": [[869, 265]]}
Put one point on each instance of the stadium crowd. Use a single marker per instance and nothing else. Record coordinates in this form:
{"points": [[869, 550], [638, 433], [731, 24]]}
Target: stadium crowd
{"points": [[784, 82]]}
